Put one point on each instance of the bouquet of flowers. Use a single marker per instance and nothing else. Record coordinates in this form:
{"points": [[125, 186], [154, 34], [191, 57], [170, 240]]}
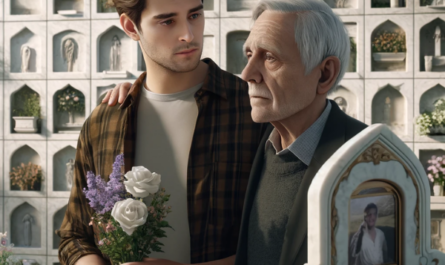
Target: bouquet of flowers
{"points": [[5, 251], [128, 229], [436, 170], [70, 101], [389, 42], [432, 122]]}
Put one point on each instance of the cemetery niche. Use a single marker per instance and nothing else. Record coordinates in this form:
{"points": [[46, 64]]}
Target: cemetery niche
{"points": [[432, 46], [57, 222], [387, 3], [63, 170], [25, 227], [67, 52], [345, 99], [236, 61], [25, 171], [68, 7], [25, 110], [352, 31], [68, 110], [436, 4], [432, 109], [388, 107], [25, 7], [388, 48], [102, 91], [114, 50], [24, 46]]}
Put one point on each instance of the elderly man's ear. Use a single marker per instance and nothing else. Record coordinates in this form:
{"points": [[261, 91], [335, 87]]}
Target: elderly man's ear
{"points": [[329, 68]]}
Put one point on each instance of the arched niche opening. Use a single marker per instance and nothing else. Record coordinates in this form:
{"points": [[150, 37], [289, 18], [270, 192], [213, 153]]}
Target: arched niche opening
{"points": [[25, 154], [26, 7], [102, 7], [69, 110], [432, 46], [24, 47], [57, 222], [342, 3], [388, 48], [102, 91], [376, 205], [236, 60], [68, 53], [387, 3], [240, 5], [68, 7], [25, 227], [141, 61], [24, 103], [352, 31], [429, 98], [63, 169], [345, 99], [114, 50], [388, 107]]}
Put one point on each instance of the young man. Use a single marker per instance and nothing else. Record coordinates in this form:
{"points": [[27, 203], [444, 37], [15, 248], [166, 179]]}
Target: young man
{"points": [[185, 119]]}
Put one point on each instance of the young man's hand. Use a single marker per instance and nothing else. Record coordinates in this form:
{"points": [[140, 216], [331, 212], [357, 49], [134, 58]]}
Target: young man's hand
{"points": [[118, 94]]}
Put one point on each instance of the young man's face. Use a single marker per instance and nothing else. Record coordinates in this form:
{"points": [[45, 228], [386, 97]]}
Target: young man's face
{"points": [[172, 33], [371, 217]]}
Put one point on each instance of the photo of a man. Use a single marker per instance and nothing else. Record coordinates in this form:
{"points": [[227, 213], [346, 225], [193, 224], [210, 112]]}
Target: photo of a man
{"points": [[369, 240]]}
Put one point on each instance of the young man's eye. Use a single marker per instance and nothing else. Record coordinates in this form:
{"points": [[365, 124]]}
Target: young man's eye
{"points": [[167, 22], [195, 16]]}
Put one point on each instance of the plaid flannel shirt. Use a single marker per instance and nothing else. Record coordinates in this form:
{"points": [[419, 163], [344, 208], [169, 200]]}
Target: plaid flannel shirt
{"points": [[223, 147]]}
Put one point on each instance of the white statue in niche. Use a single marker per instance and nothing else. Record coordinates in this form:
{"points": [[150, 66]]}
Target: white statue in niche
{"points": [[69, 52], [341, 102], [27, 230], [25, 52], [115, 54], [387, 111], [69, 173]]}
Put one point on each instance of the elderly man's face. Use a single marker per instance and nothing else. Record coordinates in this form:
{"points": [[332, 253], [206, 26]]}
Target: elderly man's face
{"points": [[278, 87]]}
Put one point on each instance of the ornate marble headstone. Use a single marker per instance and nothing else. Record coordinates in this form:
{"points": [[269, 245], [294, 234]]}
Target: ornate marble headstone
{"points": [[115, 54], [69, 173], [27, 229], [25, 53], [69, 52]]}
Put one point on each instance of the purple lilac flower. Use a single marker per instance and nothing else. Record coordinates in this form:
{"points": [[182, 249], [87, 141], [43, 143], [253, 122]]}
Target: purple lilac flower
{"points": [[103, 195]]}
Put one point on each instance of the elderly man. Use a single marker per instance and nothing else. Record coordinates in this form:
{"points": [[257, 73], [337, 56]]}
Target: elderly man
{"points": [[297, 51]]}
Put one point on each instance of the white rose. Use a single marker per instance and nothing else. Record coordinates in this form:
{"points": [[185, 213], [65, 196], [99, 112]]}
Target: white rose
{"points": [[141, 182], [130, 214]]}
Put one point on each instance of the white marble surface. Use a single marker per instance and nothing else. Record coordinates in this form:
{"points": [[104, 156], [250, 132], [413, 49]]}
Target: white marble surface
{"points": [[81, 6], [1, 47], [408, 9], [356, 91], [406, 23], [322, 188], [1, 9], [211, 45], [353, 7], [80, 31], [56, 85], [425, 9], [229, 25], [38, 8], [405, 87], [10, 147], [40, 205], [242, 13], [359, 36], [12, 87], [54, 221], [55, 163], [32, 34]]}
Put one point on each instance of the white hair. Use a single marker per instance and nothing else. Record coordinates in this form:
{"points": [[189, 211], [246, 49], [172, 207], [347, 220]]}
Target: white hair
{"points": [[319, 33]]}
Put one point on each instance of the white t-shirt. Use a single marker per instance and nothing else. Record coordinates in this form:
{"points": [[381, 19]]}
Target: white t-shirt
{"points": [[372, 251], [165, 127]]}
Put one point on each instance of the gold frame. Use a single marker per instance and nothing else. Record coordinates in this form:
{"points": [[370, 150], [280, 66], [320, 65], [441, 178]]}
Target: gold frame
{"points": [[398, 213], [376, 153]]}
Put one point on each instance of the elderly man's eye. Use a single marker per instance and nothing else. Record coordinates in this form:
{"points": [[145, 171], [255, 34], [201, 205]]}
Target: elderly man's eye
{"points": [[269, 57]]}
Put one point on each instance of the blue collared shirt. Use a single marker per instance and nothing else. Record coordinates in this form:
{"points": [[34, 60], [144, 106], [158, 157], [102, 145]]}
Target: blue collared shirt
{"points": [[304, 146]]}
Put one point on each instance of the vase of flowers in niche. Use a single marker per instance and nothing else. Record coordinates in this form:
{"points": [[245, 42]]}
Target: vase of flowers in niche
{"points": [[436, 173], [26, 176], [432, 123], [389, 46], [70, 101], [106, 6], [27, 114]]}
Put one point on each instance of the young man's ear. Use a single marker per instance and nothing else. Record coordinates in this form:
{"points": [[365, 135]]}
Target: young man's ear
{"points": [[129, 27]]}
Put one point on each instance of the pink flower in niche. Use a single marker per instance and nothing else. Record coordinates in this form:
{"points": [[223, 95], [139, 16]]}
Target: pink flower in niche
{"points": [[67, 97], [76, 99]]}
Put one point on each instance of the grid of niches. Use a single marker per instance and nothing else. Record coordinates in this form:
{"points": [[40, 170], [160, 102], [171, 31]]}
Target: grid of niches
{"points": [[49, 28]]}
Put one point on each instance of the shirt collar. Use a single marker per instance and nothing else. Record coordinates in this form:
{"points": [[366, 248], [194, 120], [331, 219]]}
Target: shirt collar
{"points": [[214, 83], [304, 146]]}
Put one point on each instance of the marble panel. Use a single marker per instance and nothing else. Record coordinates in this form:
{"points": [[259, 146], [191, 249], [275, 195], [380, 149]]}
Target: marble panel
{"points": [[426, 91], [233, 34], [211, 8], [354, 26], [237, 8], [402, 69], [398, 111], [1, 47], [346, 7], [55, 131], [10, 92], [69, 9], [407, 9], [1, 215], [25, 10], [56, 213], [351, 94], [425, 6], [211, 40], [26, 224], [59, 155], [101, 12], [76, 36], [1, 10], [103, 34], [18, 35], [424, 31], [17, 152]]}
